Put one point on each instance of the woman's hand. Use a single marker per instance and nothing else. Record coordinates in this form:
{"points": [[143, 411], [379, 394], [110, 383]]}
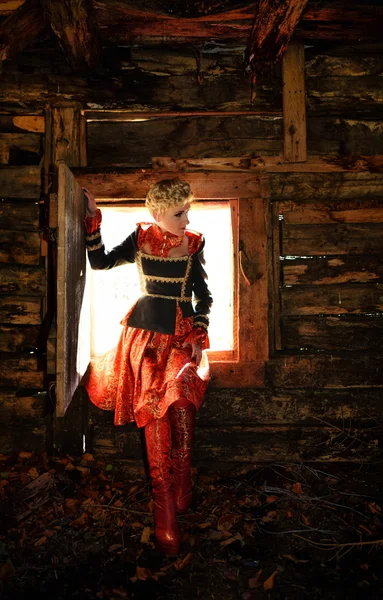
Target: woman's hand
{"points": [[196, 352], [91, 206]]}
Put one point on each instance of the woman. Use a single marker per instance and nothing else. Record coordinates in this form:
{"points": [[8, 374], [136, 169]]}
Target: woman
{"points": [[158, 373]]}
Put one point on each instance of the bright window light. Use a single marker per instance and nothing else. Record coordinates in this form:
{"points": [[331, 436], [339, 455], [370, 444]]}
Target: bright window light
{"points": [[113, 292]]}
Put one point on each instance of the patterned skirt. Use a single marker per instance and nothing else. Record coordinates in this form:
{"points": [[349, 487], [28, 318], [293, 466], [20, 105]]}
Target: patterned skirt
{"points": [[146, 373]]}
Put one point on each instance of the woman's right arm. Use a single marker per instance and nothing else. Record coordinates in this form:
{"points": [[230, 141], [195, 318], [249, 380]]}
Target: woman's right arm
{"points": [[98, 258]]}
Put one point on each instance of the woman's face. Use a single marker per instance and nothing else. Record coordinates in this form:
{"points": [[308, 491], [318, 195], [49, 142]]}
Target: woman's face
{"points": [[174, 219]]}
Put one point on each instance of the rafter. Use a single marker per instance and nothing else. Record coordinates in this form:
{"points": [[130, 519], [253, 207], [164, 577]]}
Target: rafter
{"points": [[74, 26], [20, 28]]}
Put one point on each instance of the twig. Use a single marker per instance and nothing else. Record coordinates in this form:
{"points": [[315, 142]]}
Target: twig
{"points": [[332, 546]]}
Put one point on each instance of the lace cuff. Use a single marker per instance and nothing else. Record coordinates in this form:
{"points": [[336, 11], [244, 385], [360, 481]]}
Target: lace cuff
{"points": [[92, 224]]}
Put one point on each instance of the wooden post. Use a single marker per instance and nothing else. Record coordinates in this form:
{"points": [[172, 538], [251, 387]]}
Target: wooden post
{"points": [[294, 108]]}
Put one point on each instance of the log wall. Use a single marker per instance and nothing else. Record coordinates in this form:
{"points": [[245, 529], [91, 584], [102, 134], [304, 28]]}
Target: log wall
{"points": [[323, 397]]}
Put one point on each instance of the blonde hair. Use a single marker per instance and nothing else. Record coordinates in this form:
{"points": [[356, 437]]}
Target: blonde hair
{"points": [[168, 193]]}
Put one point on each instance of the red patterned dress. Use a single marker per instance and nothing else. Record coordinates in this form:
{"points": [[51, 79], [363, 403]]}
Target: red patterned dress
{"points": [[150, 369]]}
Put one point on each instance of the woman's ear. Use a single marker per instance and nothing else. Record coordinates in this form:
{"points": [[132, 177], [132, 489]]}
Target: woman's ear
{"points": [[155, 215]]}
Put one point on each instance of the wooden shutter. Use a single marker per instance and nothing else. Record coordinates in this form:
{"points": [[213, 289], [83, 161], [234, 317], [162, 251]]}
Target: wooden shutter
{"points": [[73, 339]]}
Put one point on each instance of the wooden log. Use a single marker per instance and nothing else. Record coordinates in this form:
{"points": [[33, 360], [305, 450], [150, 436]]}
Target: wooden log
{"points": [[20, 28], [335, 211], [75, 28], [332, 300], [135, 143], [324, 239], [19, 247], [9, 6], [335, 95], [320, 186], [22, 281], [18, 339], [20, 372], [319, 64], [16, 410], [23, 437], [135, 184], [20, 311], [344, 136], [273, 26], [333, 334], [20, 182], [14, 124], [13, 145], [327, 271], [286, 407], [316, 371], [294, 108]]}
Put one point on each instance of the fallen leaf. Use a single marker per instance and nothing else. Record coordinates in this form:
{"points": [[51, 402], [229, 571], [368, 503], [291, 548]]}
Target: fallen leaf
{"points": [[70, 466], [41, 541], [254, 581], [270, 581], [114, 547], [87, 457], [230, 575], [7, 570], [33, 472], [226, 522], [81, 521], [294, 559], [145, 536], [120, 593], [269, 517], [24, 454], [82, 469], [289, 513], [271, 499], [181, 563], [297, 488], [204, 525], [235, 538], [3, 483], [374, 508], [305, 520], [142, 573]]}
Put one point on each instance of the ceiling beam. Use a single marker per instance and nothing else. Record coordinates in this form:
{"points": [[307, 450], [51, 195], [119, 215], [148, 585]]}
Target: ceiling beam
{"points": [[75, 28], [274, 25], [20, 28]]}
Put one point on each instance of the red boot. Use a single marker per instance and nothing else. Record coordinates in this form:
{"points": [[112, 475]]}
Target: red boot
{"points": [[182, 427], [158, 445]]}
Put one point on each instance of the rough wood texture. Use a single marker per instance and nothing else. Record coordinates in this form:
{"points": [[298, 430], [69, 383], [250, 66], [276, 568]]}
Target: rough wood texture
{"points": [[17, 409], [20, 372], [21, 182], [20, 311], [18, 339], [19, 247], [18, 215], [325, 239], [329, 186], [274, 24], [333, 334], [294, 104], [332, 300], [16, 124], [20, 28], [73, 23], [22, 281], [67, 134], [337, 95], [317, 372], [20, 147], [328, 271], [133, 143], [334, 211]]}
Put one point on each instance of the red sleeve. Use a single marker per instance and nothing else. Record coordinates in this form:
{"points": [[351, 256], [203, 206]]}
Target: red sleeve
{"points": [[92, 224]]}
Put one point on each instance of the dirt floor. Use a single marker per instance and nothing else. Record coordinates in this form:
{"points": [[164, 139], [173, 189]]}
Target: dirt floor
{"points": [[84, 529]]}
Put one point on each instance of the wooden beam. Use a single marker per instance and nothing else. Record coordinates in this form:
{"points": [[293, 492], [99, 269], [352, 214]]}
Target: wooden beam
{"points": [[20, 28], [294, 104], [274, 24], [75, 28]]}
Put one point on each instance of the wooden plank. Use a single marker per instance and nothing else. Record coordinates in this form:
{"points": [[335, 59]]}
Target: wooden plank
{"points": [[333, 334], [134, 185], [18, 339], [315, 371], [12, 144], [294, 104], [22, 281], [240, 374], [15, 410], [335, 211], [321, 186], [344, 136], [19, 247], [321, 64], [71, 269], [254, 301], [332, 300], [67, 135], [23, 437], [324, 271], [20, 371], [271, 164], [276, 276], [323, 239], [20, 182], [335, 95], [20, 311], [75, 28], [17, 124], [135, 143]]}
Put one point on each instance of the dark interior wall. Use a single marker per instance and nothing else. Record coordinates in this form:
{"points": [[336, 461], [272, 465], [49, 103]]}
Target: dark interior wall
{"points": [[299, 414]]}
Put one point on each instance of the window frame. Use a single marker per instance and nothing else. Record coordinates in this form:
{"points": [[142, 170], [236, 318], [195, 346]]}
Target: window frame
{"points": [[251, 227]]}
